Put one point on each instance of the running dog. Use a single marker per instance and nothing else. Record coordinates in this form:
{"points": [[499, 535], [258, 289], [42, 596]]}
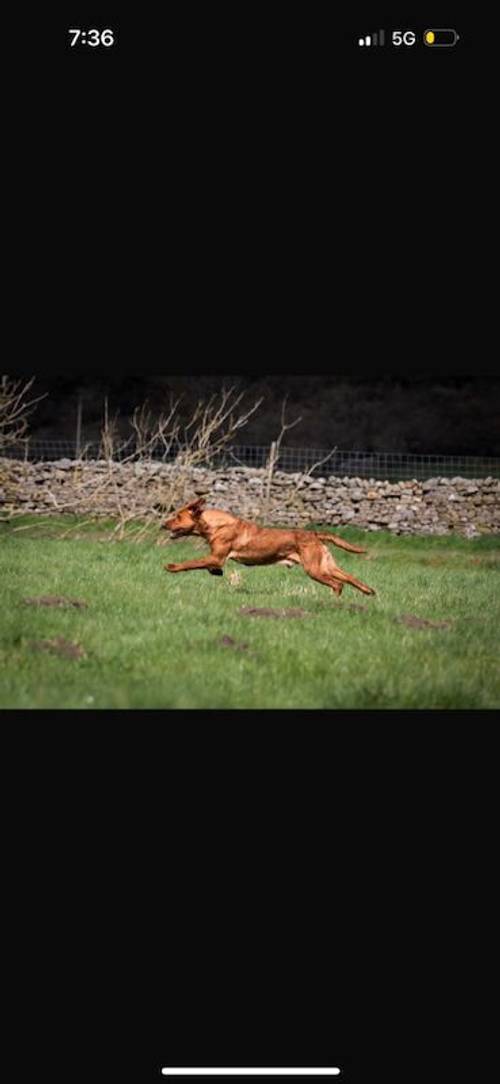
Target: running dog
{"points": [[236, 539]]}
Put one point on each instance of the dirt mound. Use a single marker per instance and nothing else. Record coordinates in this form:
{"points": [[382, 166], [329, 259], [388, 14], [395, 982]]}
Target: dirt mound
{"points": [[60, 646], [414, 622], [265, 611], [56, 600]]}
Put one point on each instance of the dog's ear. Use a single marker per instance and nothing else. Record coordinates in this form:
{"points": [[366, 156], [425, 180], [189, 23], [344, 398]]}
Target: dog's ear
{"points": [[196, 507]]}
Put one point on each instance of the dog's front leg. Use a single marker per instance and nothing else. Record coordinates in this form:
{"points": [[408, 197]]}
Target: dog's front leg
{"points": [[212, 564]]}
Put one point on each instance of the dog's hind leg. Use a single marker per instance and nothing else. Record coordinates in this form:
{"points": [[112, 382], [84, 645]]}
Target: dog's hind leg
{"points": [[319, 565], [344, 577], [328, 580]]}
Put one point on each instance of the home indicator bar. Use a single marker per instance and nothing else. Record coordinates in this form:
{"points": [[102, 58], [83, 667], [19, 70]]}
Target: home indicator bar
{"points": [[251, 1072]]}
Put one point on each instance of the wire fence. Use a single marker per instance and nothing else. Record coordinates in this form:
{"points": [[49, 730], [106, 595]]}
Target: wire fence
{"points": [[391, 466]]}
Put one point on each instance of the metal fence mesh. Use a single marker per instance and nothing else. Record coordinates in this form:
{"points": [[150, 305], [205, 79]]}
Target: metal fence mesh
{"points": [[397, 466]]}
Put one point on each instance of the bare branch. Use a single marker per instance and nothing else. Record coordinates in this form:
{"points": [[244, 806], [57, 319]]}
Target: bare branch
{"points": [[273, 458], [320, 463], [15, 409], [137, 499]]}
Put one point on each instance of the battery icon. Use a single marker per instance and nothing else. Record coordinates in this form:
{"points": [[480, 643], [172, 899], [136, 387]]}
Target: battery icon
{"points": [[440, 37]]}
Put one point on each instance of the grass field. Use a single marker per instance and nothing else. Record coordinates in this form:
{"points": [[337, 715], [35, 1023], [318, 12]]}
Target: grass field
{"points": [[154, 640]]}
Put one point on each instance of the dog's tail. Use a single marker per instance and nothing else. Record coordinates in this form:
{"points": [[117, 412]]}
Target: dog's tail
{"points": [[340, 542]]}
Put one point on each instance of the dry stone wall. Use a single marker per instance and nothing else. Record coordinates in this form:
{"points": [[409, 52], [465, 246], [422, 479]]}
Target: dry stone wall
{"points": [[436, 506]]}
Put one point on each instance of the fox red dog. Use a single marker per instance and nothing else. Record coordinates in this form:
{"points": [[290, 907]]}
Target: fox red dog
{"points": [[236, 539]]}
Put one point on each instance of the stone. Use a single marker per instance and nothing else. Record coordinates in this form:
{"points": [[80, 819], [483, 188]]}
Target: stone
{"points": [[434, 505]]}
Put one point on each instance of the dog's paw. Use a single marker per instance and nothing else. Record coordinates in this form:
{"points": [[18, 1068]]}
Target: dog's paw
{"points": [[170, 568]]}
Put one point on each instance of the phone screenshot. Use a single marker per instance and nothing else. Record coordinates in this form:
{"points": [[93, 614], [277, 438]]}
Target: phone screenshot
{"points": [[249, 515]]}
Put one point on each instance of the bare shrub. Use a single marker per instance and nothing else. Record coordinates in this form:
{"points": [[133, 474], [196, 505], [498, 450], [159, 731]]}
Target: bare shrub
{"points": [[16, 406], [175, 446], [293, 494]]}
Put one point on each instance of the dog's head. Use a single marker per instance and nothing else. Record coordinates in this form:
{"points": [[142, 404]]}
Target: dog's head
{"points": [[185, 520]]}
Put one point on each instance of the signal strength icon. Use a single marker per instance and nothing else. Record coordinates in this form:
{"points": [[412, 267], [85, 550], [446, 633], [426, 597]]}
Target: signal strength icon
{"points": [[377, 38]]}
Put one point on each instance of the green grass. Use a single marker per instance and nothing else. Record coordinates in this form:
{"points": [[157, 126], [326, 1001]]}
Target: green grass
{"points": [[152, 640]]}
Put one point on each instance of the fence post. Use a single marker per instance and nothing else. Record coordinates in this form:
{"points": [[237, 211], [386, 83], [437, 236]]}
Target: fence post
{"points": [[78, 445], [273, 455]]}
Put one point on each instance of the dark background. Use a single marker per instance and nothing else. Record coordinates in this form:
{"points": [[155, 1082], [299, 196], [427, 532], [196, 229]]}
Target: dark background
{"points": [[449, 416], [247, 188]]}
